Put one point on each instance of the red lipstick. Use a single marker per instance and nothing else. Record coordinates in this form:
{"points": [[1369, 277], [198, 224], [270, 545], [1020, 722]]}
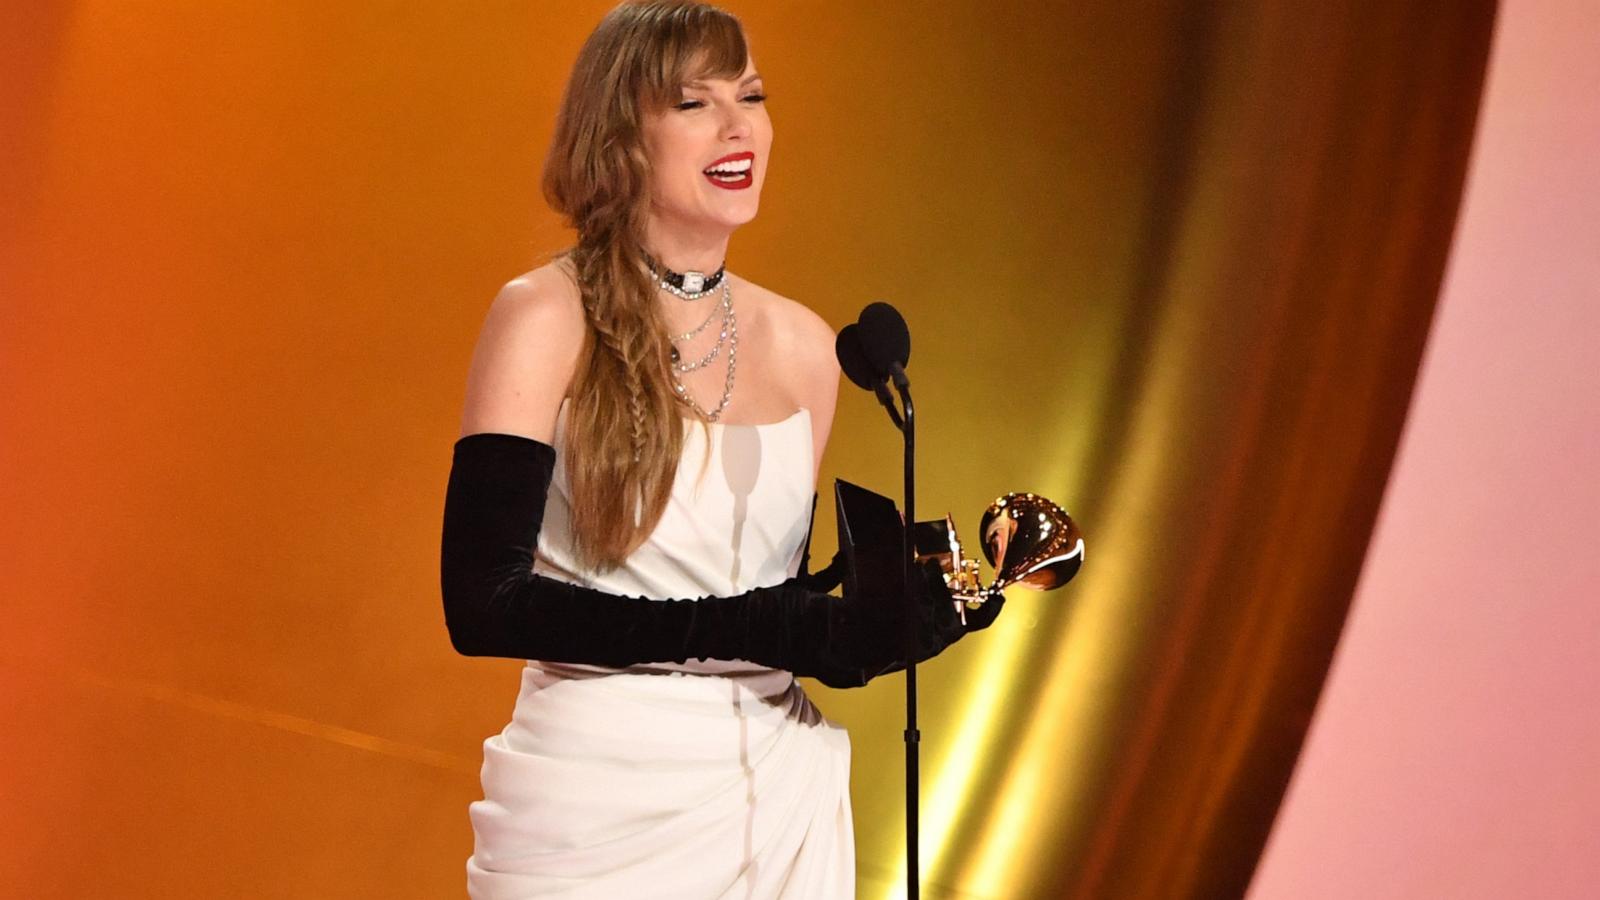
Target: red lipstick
{"points": [[733, 172]]}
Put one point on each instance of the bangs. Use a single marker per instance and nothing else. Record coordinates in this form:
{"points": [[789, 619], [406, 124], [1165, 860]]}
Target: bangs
{"points": [[694, 42]]}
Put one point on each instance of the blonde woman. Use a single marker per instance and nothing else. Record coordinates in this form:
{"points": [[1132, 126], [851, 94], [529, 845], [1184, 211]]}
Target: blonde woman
{"points": [[629, 509]]}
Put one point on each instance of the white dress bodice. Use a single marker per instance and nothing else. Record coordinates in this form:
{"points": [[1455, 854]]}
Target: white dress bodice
{"points": [[736, 519]]}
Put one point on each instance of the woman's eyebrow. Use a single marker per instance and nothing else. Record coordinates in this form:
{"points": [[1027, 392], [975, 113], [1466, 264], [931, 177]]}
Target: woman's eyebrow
{"points": [[697, 83]]}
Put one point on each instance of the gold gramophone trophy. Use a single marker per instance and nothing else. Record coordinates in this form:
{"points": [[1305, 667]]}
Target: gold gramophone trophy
{"points": [[1028, 540]]}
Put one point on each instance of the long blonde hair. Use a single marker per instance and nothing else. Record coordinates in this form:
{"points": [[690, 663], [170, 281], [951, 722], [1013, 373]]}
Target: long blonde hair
{"points": [[624, 435]]}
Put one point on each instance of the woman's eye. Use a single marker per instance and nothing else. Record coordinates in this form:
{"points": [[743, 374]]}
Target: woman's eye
{"points": [[696, 104]]}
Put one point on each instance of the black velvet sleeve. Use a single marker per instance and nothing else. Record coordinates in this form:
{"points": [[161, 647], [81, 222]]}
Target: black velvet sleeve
{"points": [[496, 605]]}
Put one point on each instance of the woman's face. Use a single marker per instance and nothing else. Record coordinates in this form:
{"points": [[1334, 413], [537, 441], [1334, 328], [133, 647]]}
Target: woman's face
{"points": [[708, 153]]}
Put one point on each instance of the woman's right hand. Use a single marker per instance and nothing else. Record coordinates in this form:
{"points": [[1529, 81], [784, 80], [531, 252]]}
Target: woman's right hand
{"points": [[869, 632]]}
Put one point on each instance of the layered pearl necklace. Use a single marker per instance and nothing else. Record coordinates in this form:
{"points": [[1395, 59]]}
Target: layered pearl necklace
{"points": [[728, 334]]}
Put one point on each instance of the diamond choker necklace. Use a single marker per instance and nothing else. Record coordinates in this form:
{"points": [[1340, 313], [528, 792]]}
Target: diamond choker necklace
{"points": [[689, 285]]}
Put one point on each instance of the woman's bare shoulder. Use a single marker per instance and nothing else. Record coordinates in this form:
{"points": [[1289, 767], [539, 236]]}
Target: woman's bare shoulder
{"points": [[525, 356], [800, 336], [548, 291], [795, 327]]}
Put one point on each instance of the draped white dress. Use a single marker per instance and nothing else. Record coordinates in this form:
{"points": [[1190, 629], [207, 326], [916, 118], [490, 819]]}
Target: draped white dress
{"points": [[714, 779]]}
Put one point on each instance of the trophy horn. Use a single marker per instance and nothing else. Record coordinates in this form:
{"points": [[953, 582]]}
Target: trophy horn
{"points": [[1029, 541]]}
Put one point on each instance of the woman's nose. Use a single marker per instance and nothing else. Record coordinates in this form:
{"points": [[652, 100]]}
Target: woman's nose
{"points": [[735, 124]]}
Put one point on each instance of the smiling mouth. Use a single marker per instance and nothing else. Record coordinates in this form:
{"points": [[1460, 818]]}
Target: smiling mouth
{"points": [[733, 172]]}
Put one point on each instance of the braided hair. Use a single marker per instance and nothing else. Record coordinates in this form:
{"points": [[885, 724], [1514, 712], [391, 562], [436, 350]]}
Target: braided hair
{"points": [[624, 436]]}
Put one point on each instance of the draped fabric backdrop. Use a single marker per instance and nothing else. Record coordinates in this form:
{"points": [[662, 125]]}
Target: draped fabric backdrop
{"points": [[1170, 264], [1455, 744]]}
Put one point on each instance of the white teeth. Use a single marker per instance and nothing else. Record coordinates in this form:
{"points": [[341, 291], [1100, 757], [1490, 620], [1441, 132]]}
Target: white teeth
{"points": [[736, 167]]}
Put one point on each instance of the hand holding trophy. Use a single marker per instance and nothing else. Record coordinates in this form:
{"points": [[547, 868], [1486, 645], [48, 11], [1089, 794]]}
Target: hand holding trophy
{"points": [[1028, 540]]}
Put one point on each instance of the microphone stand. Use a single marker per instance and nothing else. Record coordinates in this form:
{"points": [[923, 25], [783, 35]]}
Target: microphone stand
{"points": [[865, 370], [881, 389], [913, 737]]}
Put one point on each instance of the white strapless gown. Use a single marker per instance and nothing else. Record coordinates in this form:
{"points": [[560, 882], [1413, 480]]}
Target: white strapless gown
{"points": [[714, 779]]}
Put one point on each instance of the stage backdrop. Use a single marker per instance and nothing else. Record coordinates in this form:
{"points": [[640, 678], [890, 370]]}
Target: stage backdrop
{"points": [[1171, 264], [1456, 747]]}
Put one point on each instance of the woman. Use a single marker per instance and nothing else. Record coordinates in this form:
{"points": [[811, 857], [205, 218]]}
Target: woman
{"points": [[629, 507]]}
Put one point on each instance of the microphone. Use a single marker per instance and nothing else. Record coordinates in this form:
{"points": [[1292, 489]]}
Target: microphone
{"points": [[862, 373], [885, 341], [853, 359]]}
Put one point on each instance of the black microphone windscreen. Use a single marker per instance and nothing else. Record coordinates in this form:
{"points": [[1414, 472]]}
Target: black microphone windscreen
{"points": [[847, 346], [884, 337]]}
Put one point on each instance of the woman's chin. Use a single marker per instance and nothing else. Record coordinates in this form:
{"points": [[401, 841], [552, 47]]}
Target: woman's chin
{"points": [[742, 220], [729, 220], [720, 217]]}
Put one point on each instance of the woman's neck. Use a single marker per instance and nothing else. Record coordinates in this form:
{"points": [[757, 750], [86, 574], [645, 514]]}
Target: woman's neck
{"points": [[686, 250]]}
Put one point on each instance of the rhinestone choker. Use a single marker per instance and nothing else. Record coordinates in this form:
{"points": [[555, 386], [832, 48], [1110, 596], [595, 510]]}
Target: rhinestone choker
{"points": [[689, 285]]}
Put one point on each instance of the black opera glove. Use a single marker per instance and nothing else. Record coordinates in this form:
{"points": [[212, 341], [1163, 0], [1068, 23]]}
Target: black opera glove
{"points": [[495, 605]]}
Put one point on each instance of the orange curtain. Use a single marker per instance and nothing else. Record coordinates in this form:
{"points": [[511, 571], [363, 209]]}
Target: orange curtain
{"points": [[1170, 264]]}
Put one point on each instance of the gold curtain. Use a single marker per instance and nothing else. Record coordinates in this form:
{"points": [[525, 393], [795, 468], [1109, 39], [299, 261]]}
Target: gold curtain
{"points": [[1207, 357], [1171, 264]]}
